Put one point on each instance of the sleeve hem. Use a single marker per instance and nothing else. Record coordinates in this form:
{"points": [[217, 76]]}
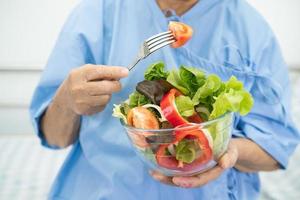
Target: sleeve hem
{"points": [[37, 127], [273, 149]]}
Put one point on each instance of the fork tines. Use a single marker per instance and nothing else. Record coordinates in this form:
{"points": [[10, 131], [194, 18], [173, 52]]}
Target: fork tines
{"points": [[160, 40], [152, 44], [160, 45], [158, 37]]}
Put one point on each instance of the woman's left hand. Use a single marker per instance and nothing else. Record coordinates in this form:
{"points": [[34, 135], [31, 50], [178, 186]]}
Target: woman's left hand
{"points": [[228, 160]]}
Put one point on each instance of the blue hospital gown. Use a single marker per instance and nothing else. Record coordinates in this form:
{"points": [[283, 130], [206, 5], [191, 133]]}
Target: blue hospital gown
{"points": [[230, 38]]}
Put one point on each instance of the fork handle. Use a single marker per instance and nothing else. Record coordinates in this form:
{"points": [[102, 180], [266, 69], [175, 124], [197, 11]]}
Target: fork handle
{"points": [[130, 67]]}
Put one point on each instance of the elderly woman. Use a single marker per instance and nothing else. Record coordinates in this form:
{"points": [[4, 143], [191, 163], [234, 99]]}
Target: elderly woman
{"points": [[73, 102]]}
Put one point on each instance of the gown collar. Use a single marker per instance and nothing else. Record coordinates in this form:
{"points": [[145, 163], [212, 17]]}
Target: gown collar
{"points": [[196, 11]]}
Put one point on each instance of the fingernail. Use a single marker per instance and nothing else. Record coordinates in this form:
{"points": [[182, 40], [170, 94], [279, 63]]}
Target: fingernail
{"points": [[182, 183], [124, 71], [188, 185], [154, 175], [176, 182], [224, 164]]}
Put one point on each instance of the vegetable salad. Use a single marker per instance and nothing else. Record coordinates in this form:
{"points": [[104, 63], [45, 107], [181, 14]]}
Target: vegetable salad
{"points": [[175, 100]]}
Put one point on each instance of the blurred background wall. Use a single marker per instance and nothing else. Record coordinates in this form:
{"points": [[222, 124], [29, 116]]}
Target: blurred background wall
{"points": [[28, 30]]}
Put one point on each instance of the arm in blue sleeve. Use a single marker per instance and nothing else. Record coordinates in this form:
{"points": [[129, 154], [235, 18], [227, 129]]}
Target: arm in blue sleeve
{"points": [[269, 124], [79, 40]]}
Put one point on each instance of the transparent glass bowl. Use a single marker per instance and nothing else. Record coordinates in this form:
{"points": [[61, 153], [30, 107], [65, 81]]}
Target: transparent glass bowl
{"points": [[151, 145]]}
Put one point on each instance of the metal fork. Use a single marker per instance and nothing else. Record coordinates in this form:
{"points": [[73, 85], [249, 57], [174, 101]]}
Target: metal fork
{"points": [[152, 44]]}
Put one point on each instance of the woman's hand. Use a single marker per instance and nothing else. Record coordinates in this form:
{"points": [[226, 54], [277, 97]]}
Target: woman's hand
{"points": [[86, 91], [228, 160], [89, 88]]}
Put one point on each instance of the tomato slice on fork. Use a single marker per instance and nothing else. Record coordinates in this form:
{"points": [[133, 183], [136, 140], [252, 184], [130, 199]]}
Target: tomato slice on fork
{"points": [[181, 32]]}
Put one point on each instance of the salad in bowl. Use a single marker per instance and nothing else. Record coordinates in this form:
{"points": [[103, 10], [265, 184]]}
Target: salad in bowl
{"points": [[180, 121]]}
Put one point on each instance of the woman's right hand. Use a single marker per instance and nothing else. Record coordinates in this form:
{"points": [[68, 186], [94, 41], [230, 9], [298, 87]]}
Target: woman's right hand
{"points": [[89, 88], [85, 91]]}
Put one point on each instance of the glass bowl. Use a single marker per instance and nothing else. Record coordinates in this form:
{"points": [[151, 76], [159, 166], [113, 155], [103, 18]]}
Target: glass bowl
{"points": [[157, 147]]}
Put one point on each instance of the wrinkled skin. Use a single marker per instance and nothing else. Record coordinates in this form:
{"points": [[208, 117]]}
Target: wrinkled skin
{"points": [[85, 91]]}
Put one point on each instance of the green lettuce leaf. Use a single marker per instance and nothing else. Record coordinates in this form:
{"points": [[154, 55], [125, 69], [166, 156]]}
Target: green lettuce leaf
{"points": [[246, 104], [184, 106], [192, 78], [186, 151], [211, 85], [199, 74], [234, 83], [233, 99], [203, 111], [187, 79], [156, 71], [137, 99], [225, 102], [124, 108], [175, 80], [118, 113], [220, 133], [221, 89]]}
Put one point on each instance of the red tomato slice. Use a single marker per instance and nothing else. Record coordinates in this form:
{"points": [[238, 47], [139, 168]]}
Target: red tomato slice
{"points": [[140, 117], [181, 32]]}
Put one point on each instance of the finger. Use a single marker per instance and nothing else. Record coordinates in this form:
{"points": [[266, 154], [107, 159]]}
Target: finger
{"points": [[97, 88], [229, 159], [87, 101], [94, 110], [161, 178], [200, 179], [94, 101], [85, 109], [100, 72]]}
